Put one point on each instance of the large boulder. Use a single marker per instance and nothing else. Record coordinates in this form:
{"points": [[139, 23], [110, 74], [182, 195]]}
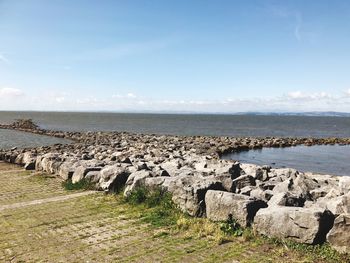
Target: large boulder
{"points": [[81, 171], [259, 173], [172, 167], [303, 225], [287, 199], [188, 192], [261, 194], [338, 205], [67, 169], [298, 185], [93, 176], [114, 177], [29, 161], [222, 206], [49, 162], [243, 181], [228, 168], [162, 182], [339, 236], [344, 184], [136, 180]]}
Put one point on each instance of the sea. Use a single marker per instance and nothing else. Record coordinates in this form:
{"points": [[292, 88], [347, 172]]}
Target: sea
{"points": [[323, 159]]}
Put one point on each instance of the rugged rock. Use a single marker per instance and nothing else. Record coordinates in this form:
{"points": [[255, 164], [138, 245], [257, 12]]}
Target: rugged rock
{"points": [[135, 180], [81, 171], [113, 177], [339, 236], [221, 206], [303, 225], [344, 184], [93, 176], [243, 181], [188, 192], [67, 169], [287, 199], [338, 205]]}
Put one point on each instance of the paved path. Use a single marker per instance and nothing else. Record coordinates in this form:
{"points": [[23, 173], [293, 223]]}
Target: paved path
{"points": [[46, 200]]}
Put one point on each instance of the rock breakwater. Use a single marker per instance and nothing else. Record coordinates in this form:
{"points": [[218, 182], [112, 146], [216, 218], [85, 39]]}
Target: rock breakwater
{"points": [[284, 203]]}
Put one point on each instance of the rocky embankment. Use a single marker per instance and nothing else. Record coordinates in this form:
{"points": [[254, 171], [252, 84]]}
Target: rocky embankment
{"points": [[283, 203]]}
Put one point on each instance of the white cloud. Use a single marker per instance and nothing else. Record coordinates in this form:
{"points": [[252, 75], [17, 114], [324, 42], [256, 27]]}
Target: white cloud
{"points": [[292, 101], [129, 95], [298, 95], [7, 92], [60, 99], [347, 93]]}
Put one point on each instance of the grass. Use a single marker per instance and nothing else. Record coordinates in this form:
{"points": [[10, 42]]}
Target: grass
{"points": [[81, 185], [324, 251], [159, 211]]}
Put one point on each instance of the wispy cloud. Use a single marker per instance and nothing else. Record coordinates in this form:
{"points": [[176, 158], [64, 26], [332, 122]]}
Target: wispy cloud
{"points": [[7, 92], [295, 17]]}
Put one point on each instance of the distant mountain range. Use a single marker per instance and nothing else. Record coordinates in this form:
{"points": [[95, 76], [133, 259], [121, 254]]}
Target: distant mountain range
{"points": [[256, 113], [311, 113]]}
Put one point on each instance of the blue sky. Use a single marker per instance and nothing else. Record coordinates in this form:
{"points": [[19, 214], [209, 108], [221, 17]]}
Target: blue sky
{"points": [[200, 56]]}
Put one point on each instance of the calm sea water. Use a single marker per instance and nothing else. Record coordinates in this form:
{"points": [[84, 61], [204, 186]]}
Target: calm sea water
{"points": [[9, 139], [324, 159], [187, 124]]}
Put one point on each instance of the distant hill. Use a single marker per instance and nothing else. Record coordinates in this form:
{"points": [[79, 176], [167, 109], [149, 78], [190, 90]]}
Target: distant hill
{"points": [[311, 113]]}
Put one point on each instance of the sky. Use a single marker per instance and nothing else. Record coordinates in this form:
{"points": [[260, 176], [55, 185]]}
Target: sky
{"points": [[175, 56]]}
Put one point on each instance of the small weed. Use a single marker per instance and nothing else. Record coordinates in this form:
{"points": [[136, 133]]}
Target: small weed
{"points": [[137, 197], [231, 228], [81, 185]]}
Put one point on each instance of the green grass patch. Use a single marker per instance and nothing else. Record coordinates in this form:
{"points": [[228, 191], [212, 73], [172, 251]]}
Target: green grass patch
{"points": [[156, 208], [160, 211], [323, 251], [81, 185]]}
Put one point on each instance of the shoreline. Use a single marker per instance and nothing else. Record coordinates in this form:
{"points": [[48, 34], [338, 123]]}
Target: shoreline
{"points": [[218, 145], [308, 208]]}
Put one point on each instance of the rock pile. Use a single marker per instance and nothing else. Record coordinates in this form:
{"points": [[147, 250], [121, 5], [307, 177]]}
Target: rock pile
{"points": [[284, 203]]}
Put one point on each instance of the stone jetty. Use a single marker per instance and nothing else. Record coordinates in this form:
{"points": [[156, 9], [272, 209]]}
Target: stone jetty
{"points": [[283, 203]]}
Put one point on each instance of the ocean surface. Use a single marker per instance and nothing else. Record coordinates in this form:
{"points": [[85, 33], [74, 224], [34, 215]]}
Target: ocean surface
{"points": [[189, 124], [323, 159], [10, 138]]}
